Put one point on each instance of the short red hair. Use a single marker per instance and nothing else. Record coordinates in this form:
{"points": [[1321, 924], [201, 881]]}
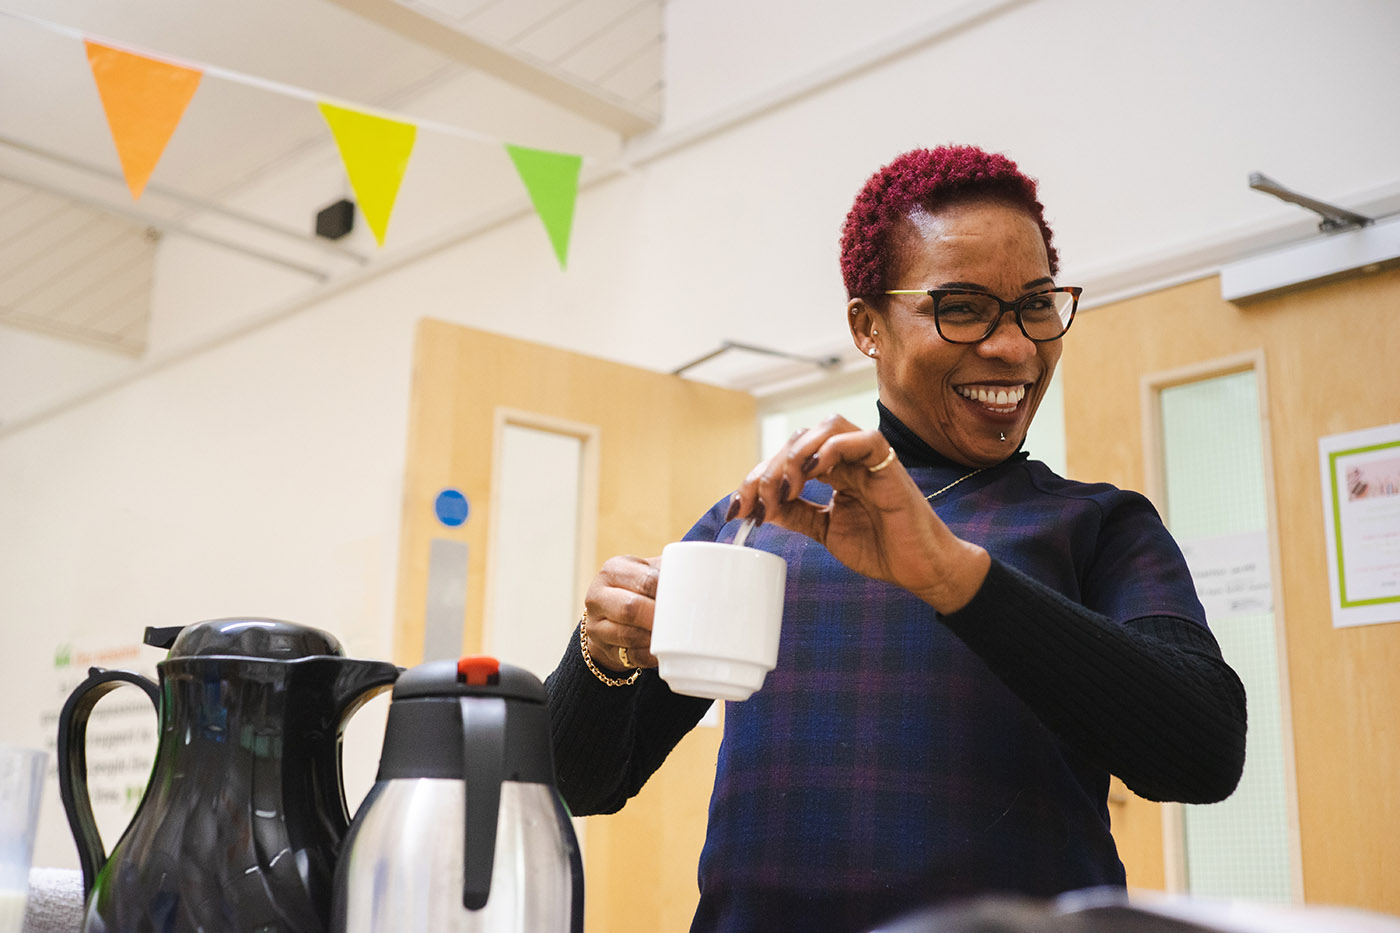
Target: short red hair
{"points": [[927, 178]]}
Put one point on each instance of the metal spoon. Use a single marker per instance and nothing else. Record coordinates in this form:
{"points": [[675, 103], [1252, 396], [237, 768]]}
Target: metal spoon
{"points": [[746, 526]]}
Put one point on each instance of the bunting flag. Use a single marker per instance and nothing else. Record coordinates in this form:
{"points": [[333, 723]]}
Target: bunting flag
{"points": [[552, 180], [375, 151], [144, 100]]}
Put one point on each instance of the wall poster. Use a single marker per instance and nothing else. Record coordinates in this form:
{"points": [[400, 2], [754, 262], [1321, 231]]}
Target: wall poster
{"points": [[1361, 507]]}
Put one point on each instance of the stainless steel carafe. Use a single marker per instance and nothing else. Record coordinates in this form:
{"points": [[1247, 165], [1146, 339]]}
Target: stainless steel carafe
{"points": [[464, 830]]}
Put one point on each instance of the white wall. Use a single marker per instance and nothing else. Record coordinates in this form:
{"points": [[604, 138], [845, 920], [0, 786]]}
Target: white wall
{"points": [[262, 473]]}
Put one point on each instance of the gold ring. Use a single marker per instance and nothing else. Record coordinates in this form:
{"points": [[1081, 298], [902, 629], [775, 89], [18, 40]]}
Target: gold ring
{"points": [[889, 458], [622, 656]]}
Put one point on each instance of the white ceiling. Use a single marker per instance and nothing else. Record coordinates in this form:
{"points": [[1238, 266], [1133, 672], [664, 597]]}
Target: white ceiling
{"points": [[601, 58], [77, 254], [69, 271]]}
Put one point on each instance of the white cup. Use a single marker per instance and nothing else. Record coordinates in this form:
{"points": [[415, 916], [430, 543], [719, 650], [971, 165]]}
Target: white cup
{"points": [[21, 790], [719, 611]]}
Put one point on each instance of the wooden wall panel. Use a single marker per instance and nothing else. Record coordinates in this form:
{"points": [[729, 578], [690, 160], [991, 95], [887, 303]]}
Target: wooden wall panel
{"points": [[669, 448], [1333, 364]]}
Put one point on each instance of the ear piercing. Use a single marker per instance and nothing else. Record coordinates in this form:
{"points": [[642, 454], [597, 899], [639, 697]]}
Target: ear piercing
{"points": [[871, 351]]}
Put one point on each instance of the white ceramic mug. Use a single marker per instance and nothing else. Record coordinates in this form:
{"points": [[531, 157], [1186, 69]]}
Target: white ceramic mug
{"points": [[719, 611]]}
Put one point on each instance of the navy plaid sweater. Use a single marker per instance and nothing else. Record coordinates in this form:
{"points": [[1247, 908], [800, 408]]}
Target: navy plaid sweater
{"points": [[897, 757]]}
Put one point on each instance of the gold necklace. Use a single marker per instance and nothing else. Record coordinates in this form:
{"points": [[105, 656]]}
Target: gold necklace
{"points": [[930, 497]]}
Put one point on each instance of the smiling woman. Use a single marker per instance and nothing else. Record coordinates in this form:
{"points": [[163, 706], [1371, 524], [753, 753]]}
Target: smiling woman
{"points": [[971, 401], [971, 644]]}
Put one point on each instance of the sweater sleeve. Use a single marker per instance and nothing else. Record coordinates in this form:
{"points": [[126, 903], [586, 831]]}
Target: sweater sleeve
{"points": [[609, 740], [1151, 699]]}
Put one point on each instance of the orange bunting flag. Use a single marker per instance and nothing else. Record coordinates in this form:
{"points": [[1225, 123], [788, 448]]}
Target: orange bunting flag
{"points": [[375, 151], [144, 100], [552, 180]]}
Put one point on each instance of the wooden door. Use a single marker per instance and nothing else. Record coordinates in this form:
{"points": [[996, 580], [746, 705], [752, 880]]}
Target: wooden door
{"points": [[665, 450], [1331, 350]]}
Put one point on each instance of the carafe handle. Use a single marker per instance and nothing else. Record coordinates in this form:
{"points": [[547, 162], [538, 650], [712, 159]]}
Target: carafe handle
{"points": [[356, 683], [72, 761], [483, 764]]}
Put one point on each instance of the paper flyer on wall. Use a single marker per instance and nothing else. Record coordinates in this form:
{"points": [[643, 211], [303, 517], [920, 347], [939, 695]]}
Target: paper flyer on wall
{"points": [[1361, 507]]}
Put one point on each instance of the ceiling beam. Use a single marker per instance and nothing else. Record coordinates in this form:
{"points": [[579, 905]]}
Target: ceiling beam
{"points": [[536, 77], [202, 205], [163, 225]]}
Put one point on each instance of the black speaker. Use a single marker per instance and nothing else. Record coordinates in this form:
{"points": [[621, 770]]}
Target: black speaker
{"points": [[336, 220]]}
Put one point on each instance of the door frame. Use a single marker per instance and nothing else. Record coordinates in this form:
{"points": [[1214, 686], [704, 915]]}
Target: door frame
{"points": [[1152, 385]]}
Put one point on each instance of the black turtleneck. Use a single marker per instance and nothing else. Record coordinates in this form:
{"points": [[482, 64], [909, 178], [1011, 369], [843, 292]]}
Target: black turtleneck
{"points": [[1052, 651], [912, 450]]}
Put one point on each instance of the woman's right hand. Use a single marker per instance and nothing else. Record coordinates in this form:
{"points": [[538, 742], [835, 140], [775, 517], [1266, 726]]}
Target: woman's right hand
{"points": [[621, 602], [877, 521]]}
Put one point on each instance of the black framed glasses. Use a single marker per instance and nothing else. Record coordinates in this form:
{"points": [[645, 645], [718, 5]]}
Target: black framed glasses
{"points": [[964, 316]]}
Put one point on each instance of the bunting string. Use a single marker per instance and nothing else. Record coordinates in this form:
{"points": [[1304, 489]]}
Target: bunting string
{"points": [[253, 81], [145, 93]]}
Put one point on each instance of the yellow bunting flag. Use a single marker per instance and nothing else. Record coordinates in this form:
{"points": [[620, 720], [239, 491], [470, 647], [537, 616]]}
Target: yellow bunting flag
{"points": [[375, 151], [552, 180], [144, 100]]}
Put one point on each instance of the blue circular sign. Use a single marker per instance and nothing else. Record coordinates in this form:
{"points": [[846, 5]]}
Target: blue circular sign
{"points": [[451, 508]]}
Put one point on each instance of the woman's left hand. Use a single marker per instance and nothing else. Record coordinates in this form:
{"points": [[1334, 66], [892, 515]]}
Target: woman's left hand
{"points": [[878, 522]]}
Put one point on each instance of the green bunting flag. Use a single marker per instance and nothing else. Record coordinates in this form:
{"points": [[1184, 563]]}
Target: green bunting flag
{"points": [[552, 180]]}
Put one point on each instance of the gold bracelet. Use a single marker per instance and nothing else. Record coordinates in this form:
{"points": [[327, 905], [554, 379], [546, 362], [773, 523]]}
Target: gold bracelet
{"points": [[587, 659]]}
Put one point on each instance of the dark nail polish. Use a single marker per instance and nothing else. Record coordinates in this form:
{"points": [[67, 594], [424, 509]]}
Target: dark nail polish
{"points": [[757, 513], [808, 464], [733, 507], [784, 488]]}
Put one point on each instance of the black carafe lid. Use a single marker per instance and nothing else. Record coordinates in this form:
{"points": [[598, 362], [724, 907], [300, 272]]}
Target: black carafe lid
{"points": [[471, 676], [424, 733], [271, 639]]}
